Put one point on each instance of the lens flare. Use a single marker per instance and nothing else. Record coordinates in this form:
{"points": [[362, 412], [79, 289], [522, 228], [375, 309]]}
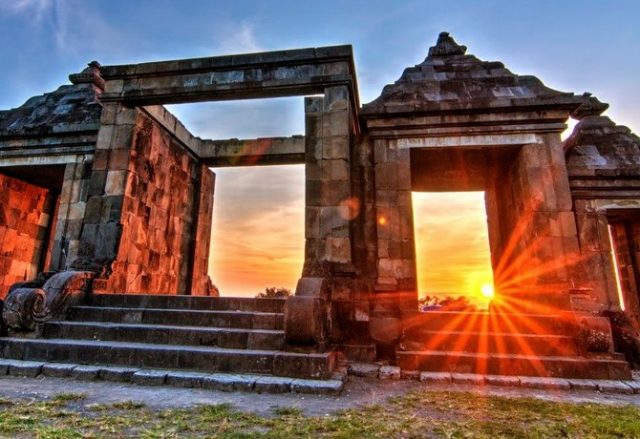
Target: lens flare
{"points": [[487, 291]]}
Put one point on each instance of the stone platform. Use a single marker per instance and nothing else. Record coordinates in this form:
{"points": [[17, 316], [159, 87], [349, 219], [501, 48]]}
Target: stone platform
{"points": [[509, 344], [180, 333]]}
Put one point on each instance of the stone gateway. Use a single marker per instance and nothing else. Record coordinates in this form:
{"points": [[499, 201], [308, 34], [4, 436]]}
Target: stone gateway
{"points": [[106, 202]]}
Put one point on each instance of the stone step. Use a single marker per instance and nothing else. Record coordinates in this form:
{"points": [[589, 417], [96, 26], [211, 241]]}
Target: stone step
{"points": [[235, 338], [210, 381], [607, 368], [496, 342], [176, 317], [246, 304], [190, 358], [485, 322]]}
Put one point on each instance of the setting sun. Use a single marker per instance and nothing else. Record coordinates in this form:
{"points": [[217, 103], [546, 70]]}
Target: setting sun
{"points": [[487, 291]]}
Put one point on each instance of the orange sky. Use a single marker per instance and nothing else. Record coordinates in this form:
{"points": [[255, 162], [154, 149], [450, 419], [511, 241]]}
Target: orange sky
{"points": [[257, 238], [258, 234], [452, 244]]}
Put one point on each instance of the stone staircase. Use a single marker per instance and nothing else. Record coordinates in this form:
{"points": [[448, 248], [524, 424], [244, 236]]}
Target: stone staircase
{"points": [[184, 333], [509, 344]]}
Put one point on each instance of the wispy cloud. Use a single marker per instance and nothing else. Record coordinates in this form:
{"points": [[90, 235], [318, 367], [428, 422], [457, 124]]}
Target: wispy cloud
{"points": [[235, 37], [81, 29], [35, 10]]}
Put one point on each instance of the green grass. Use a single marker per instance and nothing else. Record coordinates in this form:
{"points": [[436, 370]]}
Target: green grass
{"points": [[416, 414]]}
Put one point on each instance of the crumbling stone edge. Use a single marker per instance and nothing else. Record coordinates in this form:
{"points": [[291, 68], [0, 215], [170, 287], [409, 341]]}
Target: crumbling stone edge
{"points": [[385, 372], [227, 382]]}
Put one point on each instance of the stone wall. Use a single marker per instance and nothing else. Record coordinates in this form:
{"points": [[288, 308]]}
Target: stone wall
{"points": [[25, 210], [159, 215], [603, 162]]}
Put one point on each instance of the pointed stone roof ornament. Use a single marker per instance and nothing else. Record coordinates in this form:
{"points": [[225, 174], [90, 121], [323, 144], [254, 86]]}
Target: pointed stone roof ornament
{"points": [[449, 79], [446, 46], [590, 107], [90, 75]]}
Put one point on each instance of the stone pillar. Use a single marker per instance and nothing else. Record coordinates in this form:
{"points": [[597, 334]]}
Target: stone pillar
{"points": [[202, 233], [328, 180], [70, 213], [102, 226], [597, 269], [329, 209], [543, 230], [394, 216], [335, 186]]}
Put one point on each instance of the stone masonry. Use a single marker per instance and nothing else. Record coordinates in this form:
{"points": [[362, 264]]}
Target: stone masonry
{"points": [[135, 198]]}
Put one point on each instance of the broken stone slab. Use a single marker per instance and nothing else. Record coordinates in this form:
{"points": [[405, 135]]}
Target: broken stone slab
{"points": [[389, 373], [88, 373], [545, 383], [149, 377], [186, 379], [317, 387], [364, 370], [229, 383], [435, 377], [273, 385], [611, 386], [468, 378], [118, 374], [502, 380], [30, 369], [410, 374], [57, 370], [578, 384], [635, 385]]}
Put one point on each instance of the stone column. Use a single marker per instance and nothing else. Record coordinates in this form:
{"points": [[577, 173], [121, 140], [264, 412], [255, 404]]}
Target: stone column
{"points": [[544, 229], [328, 212], [394, 216], [102, 227], [328, 180], [202, 233], [335, 184], [597, 270], [70, 213]]}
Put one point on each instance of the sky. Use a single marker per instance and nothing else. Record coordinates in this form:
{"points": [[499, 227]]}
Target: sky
{"points": [[581, 45]]}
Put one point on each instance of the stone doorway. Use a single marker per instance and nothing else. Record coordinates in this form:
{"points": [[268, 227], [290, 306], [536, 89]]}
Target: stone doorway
{"points": [[453, 260], [257, 233], [29, 208], [624, 232]]}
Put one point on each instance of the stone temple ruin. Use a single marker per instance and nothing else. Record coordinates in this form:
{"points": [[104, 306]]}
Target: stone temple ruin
{"points": [[106, 202]]}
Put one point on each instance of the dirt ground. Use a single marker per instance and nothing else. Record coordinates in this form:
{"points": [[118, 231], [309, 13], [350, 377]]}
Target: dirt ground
{"points": [[358, 392]]}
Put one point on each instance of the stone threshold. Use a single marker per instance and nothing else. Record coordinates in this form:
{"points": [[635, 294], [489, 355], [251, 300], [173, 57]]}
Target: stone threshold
{"points": [[227, 382], [385, 372]]}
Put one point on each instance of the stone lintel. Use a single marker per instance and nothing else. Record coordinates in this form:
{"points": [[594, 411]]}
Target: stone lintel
{"points": [[261, 151], [468, 141], [30, 145], [226, 62], [43, 160]]}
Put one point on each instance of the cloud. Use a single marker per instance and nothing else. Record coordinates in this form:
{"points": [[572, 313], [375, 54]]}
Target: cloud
{"points": [[235, 38], [34, 9], [81, 30]]}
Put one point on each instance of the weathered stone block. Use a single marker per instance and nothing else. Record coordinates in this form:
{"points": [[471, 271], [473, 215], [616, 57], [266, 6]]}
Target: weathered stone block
{"points": [[365, 370], [389, 373], [57, 370]]}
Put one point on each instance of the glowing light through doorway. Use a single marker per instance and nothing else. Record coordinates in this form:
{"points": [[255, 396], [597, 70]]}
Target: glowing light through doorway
{"points": [[452, 245]]}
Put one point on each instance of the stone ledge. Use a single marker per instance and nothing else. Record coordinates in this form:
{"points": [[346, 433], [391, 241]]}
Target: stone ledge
{"points": [[367, 370], [150, 377]]}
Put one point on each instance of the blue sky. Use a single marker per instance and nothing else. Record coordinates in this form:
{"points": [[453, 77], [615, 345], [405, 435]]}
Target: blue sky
{"points": [[577, 46]]}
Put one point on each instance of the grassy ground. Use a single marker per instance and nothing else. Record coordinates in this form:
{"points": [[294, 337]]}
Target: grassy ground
{"points": [[417, 414]]}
